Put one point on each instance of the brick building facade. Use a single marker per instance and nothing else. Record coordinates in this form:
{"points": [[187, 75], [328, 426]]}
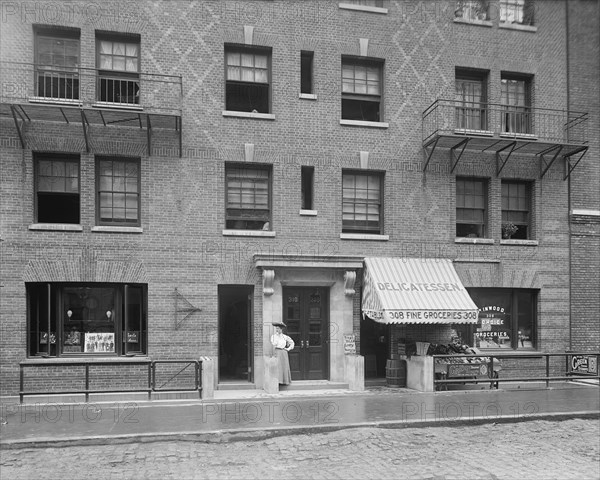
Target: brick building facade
{"points": [[176, 176]]}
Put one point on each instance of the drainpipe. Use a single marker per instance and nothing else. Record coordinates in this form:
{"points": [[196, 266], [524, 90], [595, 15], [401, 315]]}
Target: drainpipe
{"points": [[569, 183]]}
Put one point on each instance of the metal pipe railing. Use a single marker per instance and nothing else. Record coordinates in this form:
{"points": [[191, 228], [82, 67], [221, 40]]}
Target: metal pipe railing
{"points": [[492, 378], [151, 377]]}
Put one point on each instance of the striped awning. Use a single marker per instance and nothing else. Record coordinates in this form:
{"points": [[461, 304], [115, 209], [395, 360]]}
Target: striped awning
{"points": [[415, 290]]}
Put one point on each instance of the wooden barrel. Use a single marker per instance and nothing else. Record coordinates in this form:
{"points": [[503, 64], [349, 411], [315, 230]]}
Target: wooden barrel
{"points": [[395, 373]]}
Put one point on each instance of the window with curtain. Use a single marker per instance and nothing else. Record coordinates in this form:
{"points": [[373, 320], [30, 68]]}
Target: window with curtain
{"points": [[471, 207], [515, 104], [247, 79], [517, 11], [118, 63], [248, 202], [362, 202], [361, 90], [471, 101], [57, 64], [118, 191]]}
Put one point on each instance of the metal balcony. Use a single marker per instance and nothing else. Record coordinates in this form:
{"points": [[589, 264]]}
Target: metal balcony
{"points": [[503, 130], [91, 97]]}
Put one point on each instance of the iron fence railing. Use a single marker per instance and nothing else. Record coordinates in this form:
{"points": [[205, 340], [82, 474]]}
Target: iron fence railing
{"points": [[485, 368], [448, 117], [192, 382], [26, 82]]}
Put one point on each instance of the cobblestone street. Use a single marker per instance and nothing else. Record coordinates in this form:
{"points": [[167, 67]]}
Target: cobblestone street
{"points": [[527, 450]]}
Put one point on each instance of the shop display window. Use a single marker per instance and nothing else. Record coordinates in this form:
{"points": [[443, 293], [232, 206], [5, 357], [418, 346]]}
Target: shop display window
{"points": [[507, 319], [86, 319]]}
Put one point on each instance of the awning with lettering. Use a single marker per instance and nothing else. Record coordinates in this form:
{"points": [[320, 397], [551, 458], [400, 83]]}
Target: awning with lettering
{"points": [[415, 290]]}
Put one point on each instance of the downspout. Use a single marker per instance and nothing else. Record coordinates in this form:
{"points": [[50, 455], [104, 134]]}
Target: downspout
{"points": [[569, 184]]}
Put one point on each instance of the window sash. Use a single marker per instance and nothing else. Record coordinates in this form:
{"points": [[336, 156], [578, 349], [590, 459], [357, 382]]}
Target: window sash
{"points": [[248, 193], [119, 56], [118, 192], [512, 11], [247, 67], [361, 202], [361, 79]]}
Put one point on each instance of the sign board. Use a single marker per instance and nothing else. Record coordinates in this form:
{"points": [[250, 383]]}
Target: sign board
{"points": [[350, 344], [584, 364]]}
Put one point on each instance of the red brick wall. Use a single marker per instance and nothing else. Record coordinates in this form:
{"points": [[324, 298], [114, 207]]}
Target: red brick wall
{"points": [[182, 198]]}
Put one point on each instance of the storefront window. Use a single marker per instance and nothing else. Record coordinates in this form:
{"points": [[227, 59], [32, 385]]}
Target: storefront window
{"points": [[507, 319], [86, 319]]}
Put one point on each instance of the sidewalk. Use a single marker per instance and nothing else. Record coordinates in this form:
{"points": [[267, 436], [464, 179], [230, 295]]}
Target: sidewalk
{"points": [[254, 414]]}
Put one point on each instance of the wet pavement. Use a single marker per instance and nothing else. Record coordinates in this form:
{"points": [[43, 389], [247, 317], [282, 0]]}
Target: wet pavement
{"points": [[256, 416]]}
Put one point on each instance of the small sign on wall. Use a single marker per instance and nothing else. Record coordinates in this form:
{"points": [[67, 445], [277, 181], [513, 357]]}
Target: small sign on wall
{"points": [[350, 344]]}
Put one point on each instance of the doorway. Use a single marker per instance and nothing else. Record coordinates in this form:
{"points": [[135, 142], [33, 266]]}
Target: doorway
{"points": [[306, 314], [374, 346], [235, 342]]}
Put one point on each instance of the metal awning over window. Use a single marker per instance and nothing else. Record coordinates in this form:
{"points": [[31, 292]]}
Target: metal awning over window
{"points": [[415, 290]]}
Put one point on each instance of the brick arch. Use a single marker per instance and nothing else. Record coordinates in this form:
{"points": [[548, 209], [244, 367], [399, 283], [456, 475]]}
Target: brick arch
{"points": [[235, 274], [495, 275], [85, 270]]}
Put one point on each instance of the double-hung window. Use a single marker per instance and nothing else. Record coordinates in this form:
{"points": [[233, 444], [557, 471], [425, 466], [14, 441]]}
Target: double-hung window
{"points": [[517, 11], [118, 60], [57, 196], [247, 79], [87, 319], [471, 207], [516, 104], [362, 89], [57, 63], [516, 210], [362, 202], [248, 197], [118, 191]]}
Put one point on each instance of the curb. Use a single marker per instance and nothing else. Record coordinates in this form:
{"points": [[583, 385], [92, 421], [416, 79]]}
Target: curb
{"points": [[250, 434]]}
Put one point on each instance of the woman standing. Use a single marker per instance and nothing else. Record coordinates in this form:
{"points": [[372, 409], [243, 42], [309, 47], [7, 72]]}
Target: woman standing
{"points": [[282, 345]]}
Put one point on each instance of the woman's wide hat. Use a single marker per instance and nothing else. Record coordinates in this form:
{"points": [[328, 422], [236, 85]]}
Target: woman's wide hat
{"points": [[279, 324]]}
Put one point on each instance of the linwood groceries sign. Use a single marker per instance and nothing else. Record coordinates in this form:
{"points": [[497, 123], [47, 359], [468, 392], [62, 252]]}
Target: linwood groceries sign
{"points": [[415, 291]]}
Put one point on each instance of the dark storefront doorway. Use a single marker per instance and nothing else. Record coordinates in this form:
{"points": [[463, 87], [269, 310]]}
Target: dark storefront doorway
{"points": [[235, 343], [374, 346], [306, 314]]}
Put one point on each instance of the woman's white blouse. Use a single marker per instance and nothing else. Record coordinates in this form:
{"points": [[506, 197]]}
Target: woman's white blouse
{"points": [[280, 340]]}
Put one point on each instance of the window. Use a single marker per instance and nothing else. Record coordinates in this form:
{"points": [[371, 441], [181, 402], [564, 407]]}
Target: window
{"points": [[472, 10], [57, 188], [471, 100], [361, 90], [507, 319], [471, 207], [306, 72], [86, 319], [118, 64], [517, 11], [307, 175], [248, 202], [57, 63], [247, 76], [362, 202], [516, 102], [516, 210], [118, 191]]}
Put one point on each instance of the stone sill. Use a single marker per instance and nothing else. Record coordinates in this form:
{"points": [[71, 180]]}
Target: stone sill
{"points": [[466, 131], [307, 96], [249, 233], [467, 21], [258, 116], [361, 123], [517, 26], [109, 229], [522, 136], [57, 101], [364, 236], [118, 106], [56, 227], [524, 243], [362, 8], [86, 358], [470, 240], [308, 213], [585, 212]]}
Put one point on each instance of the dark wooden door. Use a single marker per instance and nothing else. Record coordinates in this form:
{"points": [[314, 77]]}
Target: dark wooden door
{"points": [[306, 314]]}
